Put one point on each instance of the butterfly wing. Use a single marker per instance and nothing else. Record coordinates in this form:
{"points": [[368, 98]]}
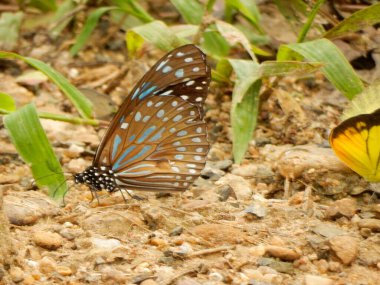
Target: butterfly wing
{"points": [[356, 141], [160, 145], [183, 73]]}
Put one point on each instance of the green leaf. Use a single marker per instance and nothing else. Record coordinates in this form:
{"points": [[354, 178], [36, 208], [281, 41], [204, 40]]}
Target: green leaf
{"points": [[132, 7], [184, 31], [336, 67], [223, 71], [43, 5], [310, 20], [245, 102], [7, 103], [235, 36], [214, 44], [82, 104], [88, 27], [282, 68], [191, 10], [159, 35], [248, 9], [9, 29], [61, 18], [32, 144], [357, 21]]}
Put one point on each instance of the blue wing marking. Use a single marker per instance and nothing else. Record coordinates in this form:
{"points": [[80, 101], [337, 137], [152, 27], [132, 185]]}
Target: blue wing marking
{"points": [[144, 150], [116, 143], [146, 134], [147, 92], [157, 136], [121, 158]]}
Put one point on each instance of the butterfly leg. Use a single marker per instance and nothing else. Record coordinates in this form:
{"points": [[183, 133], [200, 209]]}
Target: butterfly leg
{"points": [[94, 195], [133, 196]]}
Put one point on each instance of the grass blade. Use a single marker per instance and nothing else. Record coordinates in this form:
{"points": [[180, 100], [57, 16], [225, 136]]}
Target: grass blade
{"points": [[133, 8], [82, 104], [88, 27], [336, 67], [245, 103], [7, 103], [191, 10], [282, 68], [32, 144], [357, 21]]}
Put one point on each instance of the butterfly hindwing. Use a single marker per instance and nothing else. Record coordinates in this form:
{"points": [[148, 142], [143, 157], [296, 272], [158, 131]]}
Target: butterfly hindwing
{"points": [[356, 141], [161, 145]]}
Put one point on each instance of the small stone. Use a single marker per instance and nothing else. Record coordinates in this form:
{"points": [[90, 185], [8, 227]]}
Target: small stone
{"points": [[241, 187], [113, 276], [47, 265], [47, 240], [70, 234], [322, 265], [373, 224], [64, 270], [224, 192], [176, 231], [346, 248], [317, 280], [159, 242], [216, 276], [219, 234], [345, 207], [107, 244], [149, 282], [255, 211], [283, 253], [365, 232], [212, 174], [16, 274]]}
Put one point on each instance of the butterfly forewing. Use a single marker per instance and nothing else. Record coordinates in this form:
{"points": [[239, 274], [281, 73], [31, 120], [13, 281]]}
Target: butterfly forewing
{"points": [[182, 73], [161, 145]]}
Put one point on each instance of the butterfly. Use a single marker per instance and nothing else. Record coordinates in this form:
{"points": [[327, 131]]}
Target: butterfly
{"points": [[157, 141], [356, 141]]}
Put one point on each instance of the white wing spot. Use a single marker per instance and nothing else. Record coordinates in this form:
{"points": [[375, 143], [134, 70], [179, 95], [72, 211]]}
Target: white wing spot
{"points": [[177, 143], [197, 157], [196, 140], [175, 168], [166, 69], [138, 116], [179, 54], [199, 99], [204, 82], [179, 156], [192, 171], [186, 79], [165, 119], [174, 103], [185, 184], [191, 165], [176, 184], [167, 92], [189, 83], [181, 133], [158, 104], [160, 113], [146, 119], [172, 130], [199, 130], [192, 113], [198, 88], [184, 97], [188, 178], [182, 148], [188, 59], [196, 69], [199, 149], [177, 118], [178, 177], [149, 104], [124, 126]]}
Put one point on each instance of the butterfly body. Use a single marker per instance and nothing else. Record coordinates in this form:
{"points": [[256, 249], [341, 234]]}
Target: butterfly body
{"points": [[157, 141]]}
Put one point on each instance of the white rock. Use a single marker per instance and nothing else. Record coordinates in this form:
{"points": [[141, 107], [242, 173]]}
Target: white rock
{"points": [[108, 244]]}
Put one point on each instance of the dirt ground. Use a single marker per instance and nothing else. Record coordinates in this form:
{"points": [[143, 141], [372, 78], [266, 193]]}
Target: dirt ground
{"points": [[291, 213]]}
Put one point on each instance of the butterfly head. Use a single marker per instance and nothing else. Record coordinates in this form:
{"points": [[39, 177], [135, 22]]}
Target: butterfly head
{"points": [[97, 178]]}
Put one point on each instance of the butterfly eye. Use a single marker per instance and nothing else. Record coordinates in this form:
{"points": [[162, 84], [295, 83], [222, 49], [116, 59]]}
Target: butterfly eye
{"points": [[157, 141]]}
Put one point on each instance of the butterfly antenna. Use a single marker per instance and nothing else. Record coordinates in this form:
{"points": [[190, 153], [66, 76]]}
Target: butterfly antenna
{"points": [[59, 186], [48, 175]]}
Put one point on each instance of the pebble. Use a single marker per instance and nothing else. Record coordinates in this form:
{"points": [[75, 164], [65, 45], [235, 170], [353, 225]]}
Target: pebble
{"points": [[256, 210], [47, 240], [212, 174], [105, 244], [16, 274], [346, 248], [345, 207], [317, 280], [47, 265], [373, 224], [176, 231], [241, 187], [64, 270], [113, 276], [224, 192], [283, 253], [71, 234], [216, 276], [219, 234], [247, 170]]}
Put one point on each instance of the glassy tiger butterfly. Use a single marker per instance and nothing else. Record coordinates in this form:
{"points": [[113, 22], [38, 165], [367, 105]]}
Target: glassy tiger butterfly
{"points": [[157, 141], [356, 141]]}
